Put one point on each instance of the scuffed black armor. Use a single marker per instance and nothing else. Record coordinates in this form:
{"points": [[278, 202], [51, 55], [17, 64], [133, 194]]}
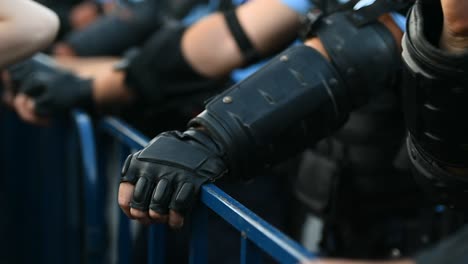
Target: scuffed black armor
{"points": [[299, 98]]}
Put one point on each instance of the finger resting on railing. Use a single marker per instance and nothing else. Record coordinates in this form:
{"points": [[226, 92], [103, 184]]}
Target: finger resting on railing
{"points": [[141, 216], [176, 220], [158, 217], [125, 197]]}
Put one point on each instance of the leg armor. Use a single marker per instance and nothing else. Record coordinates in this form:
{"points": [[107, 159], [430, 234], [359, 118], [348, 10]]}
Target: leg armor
{"points": [[435, 97], [299, 97]]}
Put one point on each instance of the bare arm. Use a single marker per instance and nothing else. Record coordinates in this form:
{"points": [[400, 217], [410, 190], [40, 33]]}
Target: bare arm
{"points": [[25, 28], [211, 50]]}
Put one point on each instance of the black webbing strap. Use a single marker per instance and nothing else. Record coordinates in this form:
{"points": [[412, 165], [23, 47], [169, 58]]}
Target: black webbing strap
{"points": [[243, 42]]}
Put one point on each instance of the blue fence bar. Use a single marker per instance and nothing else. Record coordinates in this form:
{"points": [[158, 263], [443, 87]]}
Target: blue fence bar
{"points": [[94, 237], [263, 235]]}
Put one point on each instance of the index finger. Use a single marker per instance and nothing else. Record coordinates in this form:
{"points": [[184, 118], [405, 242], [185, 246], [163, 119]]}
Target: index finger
{"points": [[125, 197]]}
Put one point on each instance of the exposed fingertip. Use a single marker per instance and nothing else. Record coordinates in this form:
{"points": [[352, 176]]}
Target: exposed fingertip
{"points": [[125, 197], [176, 221], [157, 217], [138, 214]]}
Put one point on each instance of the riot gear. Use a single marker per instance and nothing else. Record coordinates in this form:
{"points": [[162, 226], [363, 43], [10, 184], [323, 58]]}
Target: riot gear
{"points": [[297, 98], [435, 96]]}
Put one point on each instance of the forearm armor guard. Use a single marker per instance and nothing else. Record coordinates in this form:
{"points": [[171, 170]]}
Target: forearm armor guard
{"points": [[300, 97]]}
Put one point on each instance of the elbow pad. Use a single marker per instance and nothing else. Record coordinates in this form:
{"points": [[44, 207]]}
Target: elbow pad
{"points": [[299, 97], [435, 96]]}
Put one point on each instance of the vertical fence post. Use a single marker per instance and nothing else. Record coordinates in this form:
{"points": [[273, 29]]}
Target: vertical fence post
{"points": [[93, 201], [124, 244], [257, 234], [199, 235], [250, 253], [157, 244]]}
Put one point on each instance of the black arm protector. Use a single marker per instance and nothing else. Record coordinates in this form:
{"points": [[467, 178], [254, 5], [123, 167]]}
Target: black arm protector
{"points": [[299, 97], [114, 33], [366, 57], [435, 98]]}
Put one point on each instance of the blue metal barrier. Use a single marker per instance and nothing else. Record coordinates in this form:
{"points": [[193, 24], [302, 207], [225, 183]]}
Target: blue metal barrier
{"points": [[94, 234], [255, 233]]}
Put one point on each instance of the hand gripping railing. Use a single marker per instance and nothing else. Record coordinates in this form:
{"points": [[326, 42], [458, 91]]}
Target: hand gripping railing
{"points": [[256, 235]]}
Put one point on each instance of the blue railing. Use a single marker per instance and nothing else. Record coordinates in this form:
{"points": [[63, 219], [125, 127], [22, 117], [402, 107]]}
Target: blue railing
{"points": [[256, 235]]}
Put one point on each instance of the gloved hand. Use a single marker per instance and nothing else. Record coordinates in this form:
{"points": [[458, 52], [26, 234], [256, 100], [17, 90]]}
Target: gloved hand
{"points": [[23, 70], [57, 91], [169, 172]]}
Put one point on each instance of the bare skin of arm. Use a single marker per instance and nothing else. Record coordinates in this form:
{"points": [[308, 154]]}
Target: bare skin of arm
{"points": [[218, 58], [25, 28]]}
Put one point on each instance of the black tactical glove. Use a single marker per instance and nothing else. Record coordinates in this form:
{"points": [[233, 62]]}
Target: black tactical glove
{"points": [[53, 89], [169, 172], [23, 70], [54, 92]]}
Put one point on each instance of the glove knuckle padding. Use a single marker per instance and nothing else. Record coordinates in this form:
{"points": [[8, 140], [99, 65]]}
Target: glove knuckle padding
{"points": [[435, 96], [129, 169], [183, 197], [142, 193], [161, 196]]}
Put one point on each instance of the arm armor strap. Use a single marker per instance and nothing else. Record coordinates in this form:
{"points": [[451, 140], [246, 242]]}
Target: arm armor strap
{"points": [[242, 40]]}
